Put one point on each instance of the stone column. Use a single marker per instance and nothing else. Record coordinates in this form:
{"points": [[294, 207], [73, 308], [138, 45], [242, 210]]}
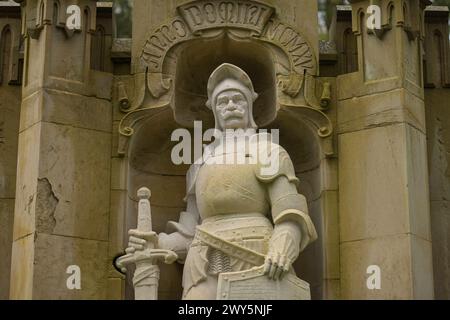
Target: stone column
{"points": [[437, 97], [9, 128], [383, 178], [63, 182]]}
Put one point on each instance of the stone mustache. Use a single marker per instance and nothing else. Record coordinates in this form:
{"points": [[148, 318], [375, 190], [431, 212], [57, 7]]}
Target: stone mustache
{"points": [[242, 230]]}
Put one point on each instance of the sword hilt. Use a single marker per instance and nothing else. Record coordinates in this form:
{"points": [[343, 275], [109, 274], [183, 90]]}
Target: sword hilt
{"points": [[150, 254], [144, 222]]}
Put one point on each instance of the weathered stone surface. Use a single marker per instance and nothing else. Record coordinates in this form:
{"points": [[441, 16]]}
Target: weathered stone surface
{"points": [[375, 110], [46, 203], [9, 121], [82, 208], [66, 108], [438, 133], [22, 268], [27, 180], [439, 177], [401, 277], [332, 287], [331, 234], [9, 131], [119, 173], [440, 223], [385, 191], [53, 254], [6, 223], [422, 269], [115, 289], [117, 232], [75, 209]]}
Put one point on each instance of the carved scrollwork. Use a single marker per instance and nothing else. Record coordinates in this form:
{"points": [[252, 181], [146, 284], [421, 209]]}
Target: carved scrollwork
{"points": [[295, 62], [131, 120], [157, 85], [291, 84], [311, 97], [317, 120], [129, 92]]}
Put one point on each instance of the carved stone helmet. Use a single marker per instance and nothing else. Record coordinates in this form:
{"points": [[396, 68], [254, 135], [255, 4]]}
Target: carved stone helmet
{"points": [[230, 77]]}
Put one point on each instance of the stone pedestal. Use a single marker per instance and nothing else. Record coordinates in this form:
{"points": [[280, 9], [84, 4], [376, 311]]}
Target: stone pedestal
{"points": [[63, 179], [383, 172]]}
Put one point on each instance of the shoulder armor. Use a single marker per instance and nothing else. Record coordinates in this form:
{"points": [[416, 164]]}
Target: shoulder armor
{"points": [[273, 162]]}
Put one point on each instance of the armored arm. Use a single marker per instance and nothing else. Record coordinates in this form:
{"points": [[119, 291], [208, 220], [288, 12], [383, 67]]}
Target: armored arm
{"points": [[293, 229], [180, 234], [290, 208]]}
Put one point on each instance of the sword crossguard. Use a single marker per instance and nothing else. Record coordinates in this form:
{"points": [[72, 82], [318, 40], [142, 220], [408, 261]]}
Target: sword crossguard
{"points": [[151, 256]]}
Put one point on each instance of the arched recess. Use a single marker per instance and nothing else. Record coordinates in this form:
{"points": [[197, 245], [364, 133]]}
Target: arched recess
{"points": [[98, 53], [438, 60], [5, 54], [148, 155], [300, 139], [350, 52], [198, 59]]}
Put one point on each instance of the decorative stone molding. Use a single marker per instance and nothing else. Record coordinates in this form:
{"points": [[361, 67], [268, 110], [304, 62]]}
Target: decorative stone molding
{"points": [[242, 21], [39, 13], [437, 51], [11, 42], [205, 14], [164, 38], [407, 18]]}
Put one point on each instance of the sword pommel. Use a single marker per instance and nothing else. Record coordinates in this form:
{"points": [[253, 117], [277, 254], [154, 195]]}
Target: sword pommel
{"points": [[144, 222], [146, 275], [144, 193]]}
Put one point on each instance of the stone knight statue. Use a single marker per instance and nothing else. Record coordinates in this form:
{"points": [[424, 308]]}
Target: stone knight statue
{"points": [[237, 217]]}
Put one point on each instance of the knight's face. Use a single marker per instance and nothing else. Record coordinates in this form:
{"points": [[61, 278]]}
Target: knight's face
{"points": [[232, 110]]}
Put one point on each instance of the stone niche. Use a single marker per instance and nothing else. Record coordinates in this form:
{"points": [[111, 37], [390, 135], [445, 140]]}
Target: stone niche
{"points": [[172, 61]]}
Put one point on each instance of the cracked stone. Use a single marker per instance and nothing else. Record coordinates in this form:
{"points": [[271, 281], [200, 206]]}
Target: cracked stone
{"points": [[45, 207]]}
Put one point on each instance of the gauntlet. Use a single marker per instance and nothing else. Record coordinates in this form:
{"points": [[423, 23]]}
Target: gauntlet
{"points": [[284, 248]]}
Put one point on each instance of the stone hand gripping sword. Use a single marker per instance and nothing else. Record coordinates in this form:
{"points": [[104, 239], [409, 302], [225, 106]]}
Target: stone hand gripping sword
{"points": [[146, 275]]}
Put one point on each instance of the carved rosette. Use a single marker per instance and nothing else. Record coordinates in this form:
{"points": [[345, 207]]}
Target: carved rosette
{"points": [[243, 20]]}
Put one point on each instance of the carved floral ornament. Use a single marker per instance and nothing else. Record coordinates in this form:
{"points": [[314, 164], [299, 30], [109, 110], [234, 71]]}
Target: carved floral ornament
{"points": [[239, 20]]}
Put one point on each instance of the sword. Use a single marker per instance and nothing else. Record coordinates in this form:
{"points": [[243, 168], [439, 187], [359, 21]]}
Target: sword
{"points": [[146, 275]]}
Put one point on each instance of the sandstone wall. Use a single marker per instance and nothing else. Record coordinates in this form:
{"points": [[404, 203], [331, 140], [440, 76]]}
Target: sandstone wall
{"points": [[10, 95], [437, 106]]}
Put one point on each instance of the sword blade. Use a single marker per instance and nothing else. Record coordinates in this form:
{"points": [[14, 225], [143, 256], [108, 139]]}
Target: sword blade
{"points": [[146, 275]]}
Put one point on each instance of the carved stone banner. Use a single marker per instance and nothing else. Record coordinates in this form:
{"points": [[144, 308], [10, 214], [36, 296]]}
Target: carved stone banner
{"points": [[200, 16], [294, 60], [203, 14], [294, 45], [162, 40]]}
